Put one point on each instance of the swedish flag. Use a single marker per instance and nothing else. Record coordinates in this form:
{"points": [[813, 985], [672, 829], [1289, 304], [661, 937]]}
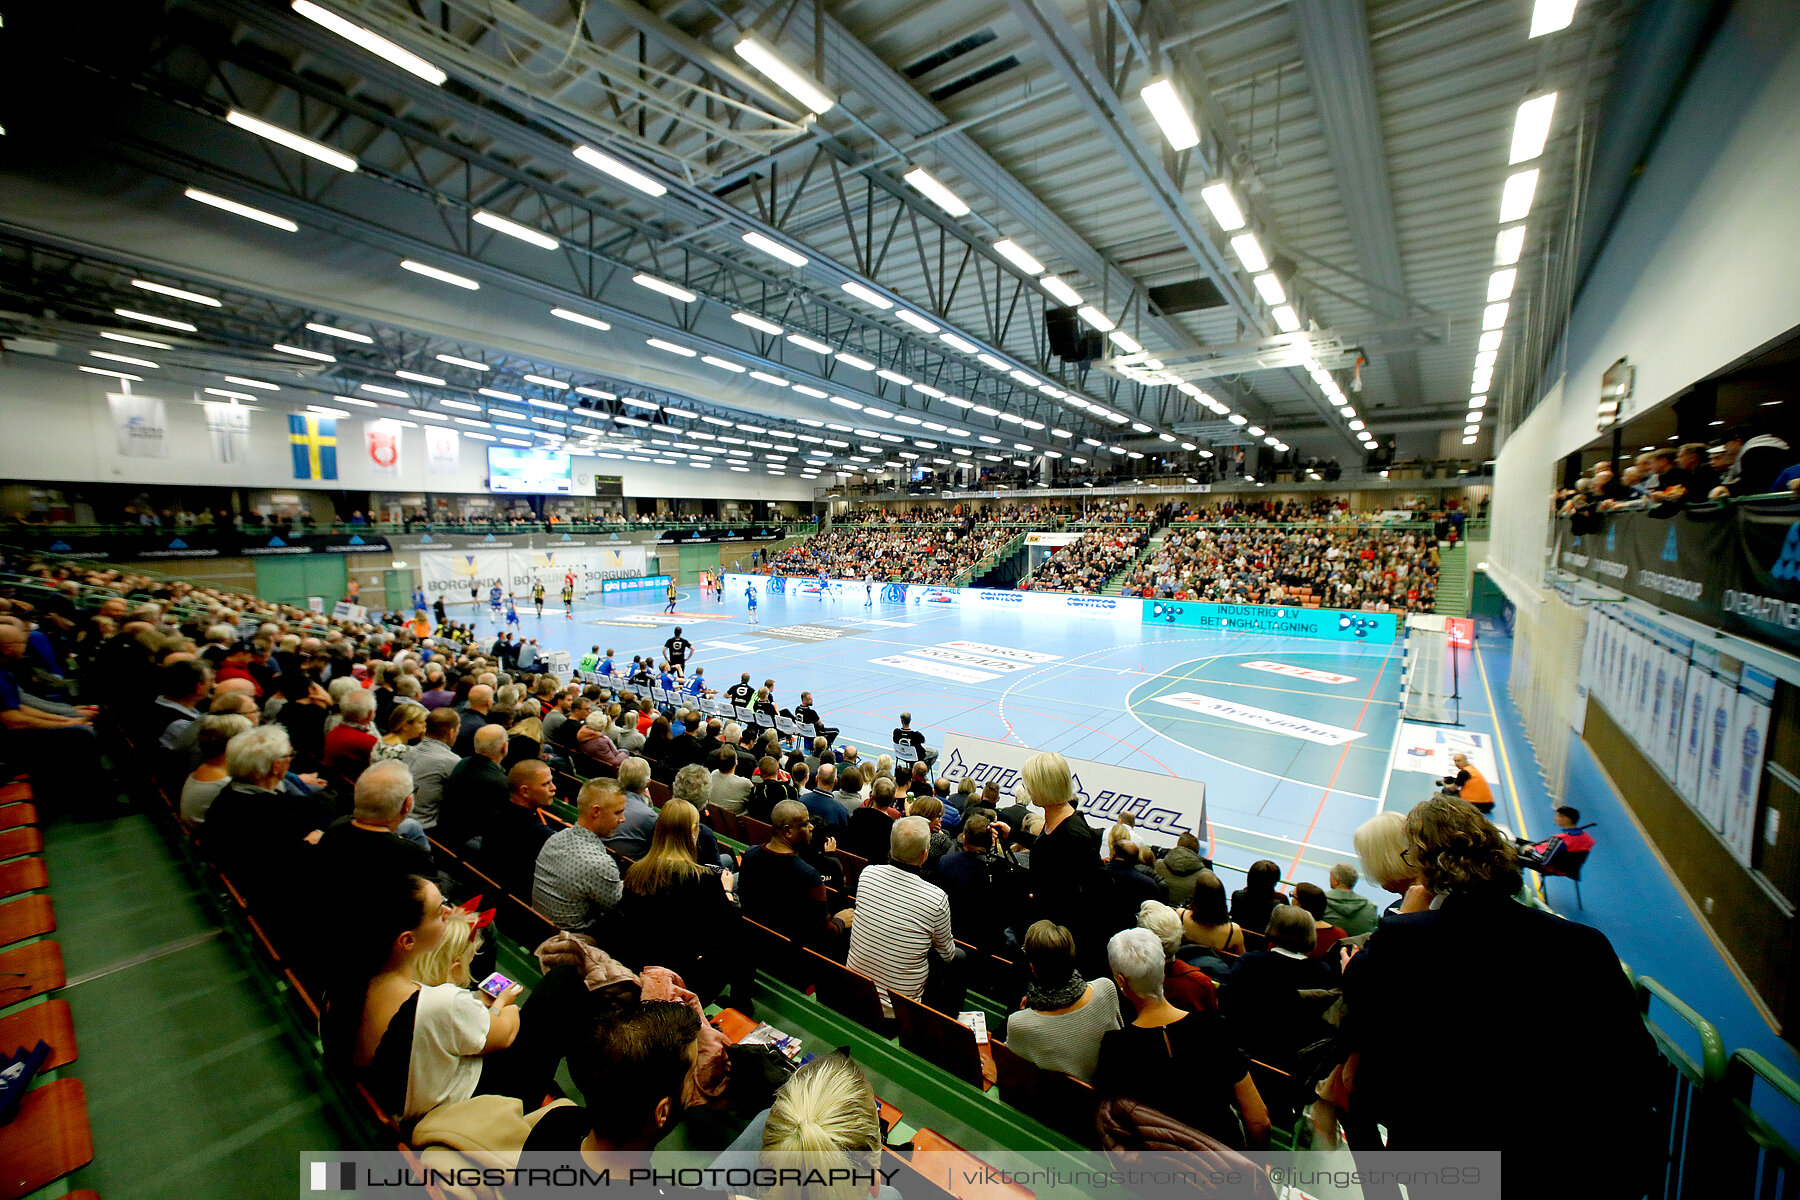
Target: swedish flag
{"points": [[314, 441]]}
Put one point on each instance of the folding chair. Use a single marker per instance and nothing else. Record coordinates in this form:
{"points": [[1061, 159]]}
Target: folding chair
{"points": [[846, 991], [938, 1038]]}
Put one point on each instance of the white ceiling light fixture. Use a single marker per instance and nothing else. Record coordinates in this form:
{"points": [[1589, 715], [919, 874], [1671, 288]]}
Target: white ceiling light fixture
{"points": [[163, 289], [462, 405], [148, 343], [894, 377], [1019, 256], [867, 295], [549, 404], [806, 343], [112, 374], [670, 347], [1500, 284], [1166, 104], [1531, 127], [226, 392], [1508, 244], [757, 323], [1469, 441], [773, 380], [1490, 340], [724, 364], [380, 390], [241, 210], [1494, 315], [915, 320], [442, 276], [497, 394], [1224, 206], [348, 335], [152, 319], [1062, 291], [303, 352], [255, 383], [775, 249], [1486, 358], [673, 290], [1548, 16], [679, 412], [1125, 341], [806, 389], [513, 229], [1250, 252], [923, 183], [1270, 289], [371, 41], [1516, 196], [546, 381], [1139, 427], [763, 57], [636, 402], [1096, 318], [326, 411], [851, 360], [1473, 416], [1477, 402], [606, 164], [1239, 419], [596, 393], [580, 319], [356, 401], [124, 358], [292, 140], [1286, 318], [958, 343]]}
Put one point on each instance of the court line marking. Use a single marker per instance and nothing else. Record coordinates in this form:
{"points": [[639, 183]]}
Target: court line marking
{"points": [[1342, 756], [1505, 760]]}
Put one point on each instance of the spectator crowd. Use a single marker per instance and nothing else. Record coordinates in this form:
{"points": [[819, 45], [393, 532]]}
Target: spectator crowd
{"points": [[1354, 568]]}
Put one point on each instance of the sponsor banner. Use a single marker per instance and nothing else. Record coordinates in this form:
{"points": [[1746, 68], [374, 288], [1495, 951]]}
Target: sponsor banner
{"points": [[638, 583], [443, 451], [1744, 751], [1306, 673], [315, 543], [981, 662], [925, 596], [228, 430], [343, 610], [938, 670], [141, 426], [1332, 624], [735, 533], [1165, 806], [1052, 539], [812, 633], [450, 574], [1428, 749], [1026, 656], [1261, 718]]}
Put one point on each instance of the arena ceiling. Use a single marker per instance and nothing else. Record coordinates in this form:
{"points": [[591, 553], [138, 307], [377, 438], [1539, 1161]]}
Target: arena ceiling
{"points": [[681, 197]]}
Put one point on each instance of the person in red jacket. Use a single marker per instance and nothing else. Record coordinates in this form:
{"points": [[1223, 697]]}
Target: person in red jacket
{"points": [[1573, 840], [236, 665], [349, 742]]}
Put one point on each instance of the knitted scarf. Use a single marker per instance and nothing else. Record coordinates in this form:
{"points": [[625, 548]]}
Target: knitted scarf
{"points": [[1042, 998]]}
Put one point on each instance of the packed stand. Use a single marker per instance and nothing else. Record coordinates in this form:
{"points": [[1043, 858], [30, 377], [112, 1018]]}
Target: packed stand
{"points": [[1365, 568], [916, 554], [1084, 566]]}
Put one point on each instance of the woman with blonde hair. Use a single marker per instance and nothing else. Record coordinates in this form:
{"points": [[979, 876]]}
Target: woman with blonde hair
{"points": [[932, 810], [449, 961], [1065, 858], [825, 1118], [405, 725], [675, 911]]}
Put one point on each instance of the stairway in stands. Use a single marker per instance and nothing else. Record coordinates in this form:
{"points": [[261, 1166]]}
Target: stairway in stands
{"points": [[1115, 585], [1453, 580]]}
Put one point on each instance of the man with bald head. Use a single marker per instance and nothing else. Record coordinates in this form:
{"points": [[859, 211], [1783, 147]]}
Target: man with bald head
{"points": [[515, 831], [474, 790], [474, 717]]}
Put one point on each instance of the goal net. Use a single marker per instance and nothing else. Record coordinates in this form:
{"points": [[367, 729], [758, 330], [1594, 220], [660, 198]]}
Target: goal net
{"points": [[1429, 675]]}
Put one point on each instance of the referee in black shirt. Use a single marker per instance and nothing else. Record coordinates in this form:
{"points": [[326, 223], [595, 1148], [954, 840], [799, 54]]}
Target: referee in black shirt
{"points": [[676, 650]]}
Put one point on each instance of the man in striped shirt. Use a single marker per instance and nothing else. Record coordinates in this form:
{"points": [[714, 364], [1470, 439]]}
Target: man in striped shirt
{"points": [[901, 920]]}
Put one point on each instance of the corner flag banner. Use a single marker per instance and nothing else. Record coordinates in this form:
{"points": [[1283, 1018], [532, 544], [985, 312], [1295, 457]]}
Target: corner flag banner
{"points": [[381, 441], [228, 428], [443, 451], [314, 440], [1165, 806], [142, 428]]}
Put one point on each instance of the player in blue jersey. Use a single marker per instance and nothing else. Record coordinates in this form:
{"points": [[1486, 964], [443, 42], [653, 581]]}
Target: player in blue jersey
{"points": [[869, 591], [512, 610], [606, 664], [494, 595], [750, 595], [418, 599], [824, 585]]}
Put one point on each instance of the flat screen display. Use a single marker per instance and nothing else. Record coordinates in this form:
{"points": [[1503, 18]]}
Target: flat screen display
{"points": [[533, 472]]}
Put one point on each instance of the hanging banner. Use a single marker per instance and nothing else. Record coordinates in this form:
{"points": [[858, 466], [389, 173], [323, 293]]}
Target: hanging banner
{"points": [[1744, 761], [1165, 806], [381, 447], [451, 574], [228, 429], [314, 442], [443, 451], [140, 425]]}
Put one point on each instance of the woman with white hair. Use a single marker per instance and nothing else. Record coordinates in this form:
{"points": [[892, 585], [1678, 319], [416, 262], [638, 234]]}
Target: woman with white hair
{"points": [[257, 832], [349, 743], [1185, 1065], [1184, 985]]}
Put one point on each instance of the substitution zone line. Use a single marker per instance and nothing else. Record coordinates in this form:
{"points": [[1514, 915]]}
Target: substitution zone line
{"points": [[1343, 755]]}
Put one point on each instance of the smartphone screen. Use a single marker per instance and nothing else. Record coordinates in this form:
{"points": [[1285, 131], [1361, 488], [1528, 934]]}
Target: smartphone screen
{"points": [[494, 984]]}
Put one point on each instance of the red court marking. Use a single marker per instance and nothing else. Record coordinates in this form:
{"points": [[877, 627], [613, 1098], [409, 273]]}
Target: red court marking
{"points": [[1343, 754]]}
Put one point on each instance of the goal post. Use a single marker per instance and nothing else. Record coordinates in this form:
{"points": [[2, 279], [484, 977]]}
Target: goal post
{"points": [[1431, 672]]}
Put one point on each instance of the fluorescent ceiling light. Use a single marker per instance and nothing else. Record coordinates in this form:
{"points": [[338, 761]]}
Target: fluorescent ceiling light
{"points": [[151, 319], [303, 352], [1486, 359], [1239, 419], [1171, 112], [1019, 256], [679, 412], [806, 343], [136, 341], [936, 192], [757, 323], [1531, 127], [664, 286], [596, 393], [442, 276], [112, 374], [500, 395], [515, 441], [1096, 318], [1500, 284], [359, 403], [1224, 206], [379, 390], [1125, 342], [1024, 377], [1507, 245], [486, 437], [550, 404], [1477, 401], [775, 380], [1473, 416], [724, 364], [985, 411], [513, 229], [579, 319], [1356, 425], [1286, 318], [255, 383], [349, 335], [894, 377], [328, 412], [1269, 287], [915, 320], [163, 289], [633, 421], [902, 418], [608, 165], [232, 395], [867, 295], [545, 381], [124, 358], [1490, 340], [842, 402], [1471, 429], [670, 347], [371, 41], [775, 249], [1062, 291], [454, 361], [957, 343], [1468, 441], [763, 57], [1494, 315], [806, 389], [635, 402], [851, 360], [959, 402], [242, 210], [1548, 16], [1515, 198], [992, 441], [291, 140], [1250, 252], [426, 412]]}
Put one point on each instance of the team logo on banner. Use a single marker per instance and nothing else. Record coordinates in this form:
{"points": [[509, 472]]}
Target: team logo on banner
{"points": [[383, 442], [1307, 673]]}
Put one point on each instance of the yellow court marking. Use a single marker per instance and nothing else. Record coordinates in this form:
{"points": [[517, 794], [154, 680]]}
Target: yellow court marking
{"points": [[1500, 741]]}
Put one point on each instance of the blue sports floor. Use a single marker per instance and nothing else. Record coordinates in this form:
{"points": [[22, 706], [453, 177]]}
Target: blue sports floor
{"points": [[1102, 692]]}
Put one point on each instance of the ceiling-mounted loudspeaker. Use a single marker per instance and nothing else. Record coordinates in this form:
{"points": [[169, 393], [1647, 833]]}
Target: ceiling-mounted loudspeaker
{"points": [[1193, 295], [1070, 337]]}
